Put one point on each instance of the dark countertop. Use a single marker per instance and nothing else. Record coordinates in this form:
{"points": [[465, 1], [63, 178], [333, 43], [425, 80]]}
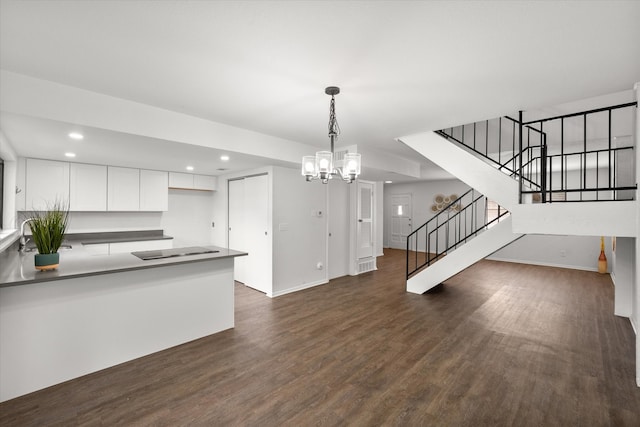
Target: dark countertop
{"points": [[18, 268], [117, 236]]}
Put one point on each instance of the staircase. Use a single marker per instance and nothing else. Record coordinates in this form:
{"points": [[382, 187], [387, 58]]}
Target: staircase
{"points": [[463, 233], [535, 173]]}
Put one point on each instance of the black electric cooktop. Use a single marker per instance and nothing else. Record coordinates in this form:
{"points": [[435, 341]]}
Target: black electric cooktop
{"points": [[173, 252]]}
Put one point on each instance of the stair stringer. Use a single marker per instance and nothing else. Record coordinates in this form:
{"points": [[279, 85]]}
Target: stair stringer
{"points": [[465, 166], [481, 246]]}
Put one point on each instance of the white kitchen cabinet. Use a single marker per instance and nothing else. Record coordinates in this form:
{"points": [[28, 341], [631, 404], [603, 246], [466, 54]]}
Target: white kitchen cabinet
{"points": [[123, 189], [47, 181], [88, 187], [204, 182], [187, 181], [180, 180], [154, 191], [142, 245]]}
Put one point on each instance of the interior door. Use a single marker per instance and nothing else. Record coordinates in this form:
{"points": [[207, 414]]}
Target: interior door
{"points": [[338, 216], [257, 273], [365, 220], [237, 228], [400, 220]]}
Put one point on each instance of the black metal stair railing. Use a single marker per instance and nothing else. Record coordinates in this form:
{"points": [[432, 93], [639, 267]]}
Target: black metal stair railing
{"points": [[572, 157], [585, 156], [588, 155], [453, 226]]}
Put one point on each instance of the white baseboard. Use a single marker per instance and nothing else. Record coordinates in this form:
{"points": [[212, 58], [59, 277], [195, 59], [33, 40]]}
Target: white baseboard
{"points": [[297, 288], [633, 325], [543, 264]]}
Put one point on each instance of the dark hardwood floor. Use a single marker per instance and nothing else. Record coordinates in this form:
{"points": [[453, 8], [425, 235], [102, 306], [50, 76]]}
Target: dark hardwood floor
{"points": [[498, 344]]}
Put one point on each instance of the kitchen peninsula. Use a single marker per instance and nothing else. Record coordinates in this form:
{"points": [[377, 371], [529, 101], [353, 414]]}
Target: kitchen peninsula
{"points": [[96, 311]]}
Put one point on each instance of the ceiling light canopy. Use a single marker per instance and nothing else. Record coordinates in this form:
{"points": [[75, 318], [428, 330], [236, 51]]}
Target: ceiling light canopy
{"points": [[324, 165]]}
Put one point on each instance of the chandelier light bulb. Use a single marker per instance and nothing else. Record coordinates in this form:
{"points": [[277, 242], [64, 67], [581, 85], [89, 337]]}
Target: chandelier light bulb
{"points": [[308, 167]]}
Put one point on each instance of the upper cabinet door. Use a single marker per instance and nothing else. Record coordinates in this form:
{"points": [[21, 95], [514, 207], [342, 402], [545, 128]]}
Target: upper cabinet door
{"points": [[187, 181], [154, 190], [180, 180], [47, 181], [88, 187], [123, 189], [204, 182]]}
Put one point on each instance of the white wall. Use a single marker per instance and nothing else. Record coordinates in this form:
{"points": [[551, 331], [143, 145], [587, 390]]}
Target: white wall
{"points": [[189, 217], [423, 193], [379, 218], [580, 252], [622, 275], [8, 154], [635, 317], [577, 252], [300, 237], [299, 232]]}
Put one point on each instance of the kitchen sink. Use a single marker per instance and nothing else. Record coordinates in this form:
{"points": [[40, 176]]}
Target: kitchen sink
{"points": [[174, 252]]}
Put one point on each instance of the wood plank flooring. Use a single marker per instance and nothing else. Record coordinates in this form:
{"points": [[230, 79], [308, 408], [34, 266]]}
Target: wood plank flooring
{"points": [[498, 344]]}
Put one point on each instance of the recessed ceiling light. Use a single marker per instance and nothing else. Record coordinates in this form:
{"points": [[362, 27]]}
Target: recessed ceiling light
{"points": [[70, 154], [224, 158], [189, 168], [388, 182], [77, 136]]}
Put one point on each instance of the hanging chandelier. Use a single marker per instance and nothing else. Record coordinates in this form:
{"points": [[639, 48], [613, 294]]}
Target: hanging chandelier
{"points": [[324, 165]]}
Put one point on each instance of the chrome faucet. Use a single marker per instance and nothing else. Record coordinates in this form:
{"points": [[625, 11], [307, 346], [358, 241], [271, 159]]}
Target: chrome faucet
{"points": [[22, 244]]}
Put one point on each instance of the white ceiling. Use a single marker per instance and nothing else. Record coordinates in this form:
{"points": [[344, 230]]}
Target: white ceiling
{"points": [[403, 67]]}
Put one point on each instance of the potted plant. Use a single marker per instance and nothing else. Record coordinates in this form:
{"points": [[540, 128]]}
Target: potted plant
{"points": [[47, 230]]}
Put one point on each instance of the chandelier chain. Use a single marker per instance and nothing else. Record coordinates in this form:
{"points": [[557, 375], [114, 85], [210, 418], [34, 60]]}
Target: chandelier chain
{"points": [[334, 129]]}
